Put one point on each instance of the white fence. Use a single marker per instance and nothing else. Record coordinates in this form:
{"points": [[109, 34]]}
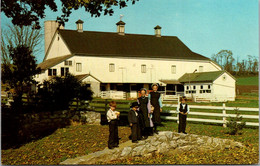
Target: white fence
{"points": [[224, 115], [112, 94]]}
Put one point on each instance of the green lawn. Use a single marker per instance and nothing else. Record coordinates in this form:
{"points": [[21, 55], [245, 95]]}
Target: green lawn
{"points": [[80, 140], [247, 80]]}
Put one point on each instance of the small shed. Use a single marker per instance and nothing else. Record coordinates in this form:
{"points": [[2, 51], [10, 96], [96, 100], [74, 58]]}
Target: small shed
{"points": [[209, 86]]}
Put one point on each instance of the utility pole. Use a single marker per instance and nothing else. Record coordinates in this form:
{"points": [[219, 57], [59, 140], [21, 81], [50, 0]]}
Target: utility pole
{"points": [[190, 86]]}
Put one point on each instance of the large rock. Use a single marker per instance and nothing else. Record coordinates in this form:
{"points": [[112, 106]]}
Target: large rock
{"points": [[164, 142], [126, 151]]}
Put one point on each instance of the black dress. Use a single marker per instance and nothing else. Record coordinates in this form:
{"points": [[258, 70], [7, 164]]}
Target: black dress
{"points": [[143, 108], [155, 103]]}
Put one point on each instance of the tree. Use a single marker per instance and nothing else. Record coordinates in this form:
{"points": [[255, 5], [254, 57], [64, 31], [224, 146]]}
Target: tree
{"points": [[59, 92], [235, 124], [24, 12], [255, 65], [225, 59], [14, 36], [19, 74]]}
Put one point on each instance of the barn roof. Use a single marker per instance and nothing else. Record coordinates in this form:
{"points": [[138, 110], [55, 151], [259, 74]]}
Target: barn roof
{"points": [[108, 44], [201, 76], [53, 61]]}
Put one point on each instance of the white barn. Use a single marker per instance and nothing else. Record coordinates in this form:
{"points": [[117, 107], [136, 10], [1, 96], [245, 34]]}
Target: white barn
{"points": [[117, 63]]}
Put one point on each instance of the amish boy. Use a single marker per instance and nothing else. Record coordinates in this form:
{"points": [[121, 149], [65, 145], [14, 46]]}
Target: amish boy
{"points": [[183, 109], [112, 118], [134, 122], [156, 102]]}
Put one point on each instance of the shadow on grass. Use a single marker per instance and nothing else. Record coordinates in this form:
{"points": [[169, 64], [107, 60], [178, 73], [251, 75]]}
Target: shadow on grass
{"points": [[16, 133]]}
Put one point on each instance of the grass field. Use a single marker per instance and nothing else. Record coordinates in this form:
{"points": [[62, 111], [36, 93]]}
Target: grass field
{"points": [[249, 138], [247, 80], [78, 140]]}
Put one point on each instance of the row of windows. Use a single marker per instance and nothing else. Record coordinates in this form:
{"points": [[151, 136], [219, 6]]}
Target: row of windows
{"points": [[78, 65], [194, 87], [201, 91], [63, 71], [112, 67], [143, 68]]}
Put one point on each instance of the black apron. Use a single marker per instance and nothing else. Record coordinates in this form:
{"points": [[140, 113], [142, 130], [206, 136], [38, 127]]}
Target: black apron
{"points": [[155, 103]]}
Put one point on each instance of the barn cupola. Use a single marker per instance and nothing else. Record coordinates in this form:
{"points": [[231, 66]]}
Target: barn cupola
{"points": [[157, 31], [79, 24], [121, 27]]}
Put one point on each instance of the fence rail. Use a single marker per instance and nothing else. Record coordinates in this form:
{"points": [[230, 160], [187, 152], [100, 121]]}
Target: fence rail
{"points": [[171, 108], [224, 115]]}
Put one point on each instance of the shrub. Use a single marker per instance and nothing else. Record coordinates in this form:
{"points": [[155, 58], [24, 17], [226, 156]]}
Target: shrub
{"points": [[235, 124], [59, 92]]}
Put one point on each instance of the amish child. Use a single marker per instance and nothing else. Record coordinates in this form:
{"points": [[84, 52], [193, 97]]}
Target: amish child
{"points": [[145, 110], [156, 102], [112, 118], [134, 122], [183, 109]]}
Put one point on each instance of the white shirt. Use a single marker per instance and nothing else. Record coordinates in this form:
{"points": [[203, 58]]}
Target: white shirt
{"points": [[111, 115], [183, 106], [136, 114]]}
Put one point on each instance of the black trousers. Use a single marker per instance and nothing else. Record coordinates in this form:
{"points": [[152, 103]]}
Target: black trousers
{"points": [[136, 132], [113, 134], [182, 123]]}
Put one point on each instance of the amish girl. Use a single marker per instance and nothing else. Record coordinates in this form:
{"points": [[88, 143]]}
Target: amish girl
{"points": [[145, 111], [183, 109], [156, 102]]}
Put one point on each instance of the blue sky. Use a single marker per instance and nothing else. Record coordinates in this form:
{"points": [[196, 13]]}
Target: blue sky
{"points": [[205, 26]]}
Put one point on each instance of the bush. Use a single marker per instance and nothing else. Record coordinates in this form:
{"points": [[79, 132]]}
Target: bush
{"points": [[59, 92], [235, 124]]}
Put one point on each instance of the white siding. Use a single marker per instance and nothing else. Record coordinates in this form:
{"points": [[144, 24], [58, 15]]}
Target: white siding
{"points": [[225, 89], [128, 70], [58, 48]]}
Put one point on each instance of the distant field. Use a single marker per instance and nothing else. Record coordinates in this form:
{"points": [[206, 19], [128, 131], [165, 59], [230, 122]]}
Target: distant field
{"points": [[247, 80]]}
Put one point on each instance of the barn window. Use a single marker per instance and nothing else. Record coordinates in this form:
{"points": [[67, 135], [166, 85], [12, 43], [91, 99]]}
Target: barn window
{"points": [[64, 71], [201, 87], [68, 63], [49, 72], [52, 72], [111, 67], [200, 68], [208, 86], [194, 87], [78, 67], [187, 87], [173, 69], [143, 68]]}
